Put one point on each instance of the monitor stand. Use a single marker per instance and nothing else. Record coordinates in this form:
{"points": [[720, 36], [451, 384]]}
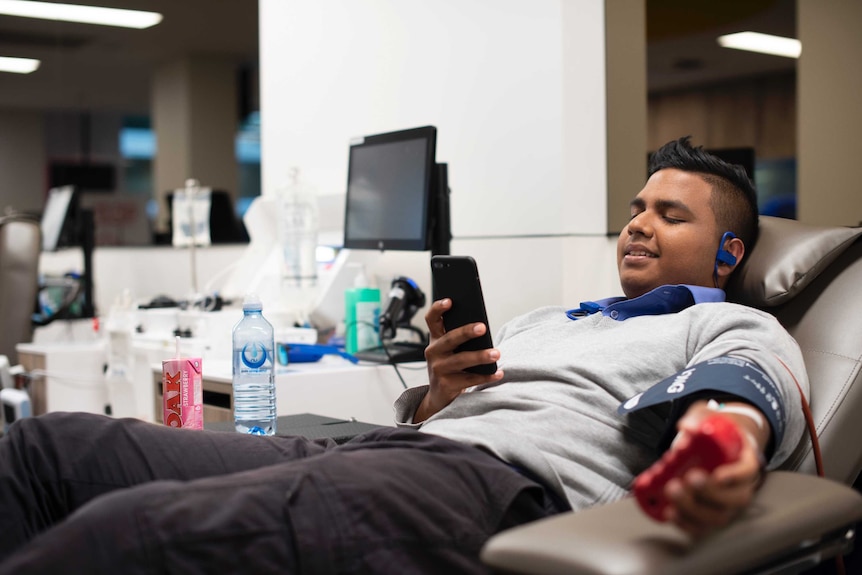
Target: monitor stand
{"points": [[87, 235], [393, 352]]}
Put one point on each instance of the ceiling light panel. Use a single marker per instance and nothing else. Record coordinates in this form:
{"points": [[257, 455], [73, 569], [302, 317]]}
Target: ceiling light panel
{"points": [[763, 43], [79, 13], [18, 65]]}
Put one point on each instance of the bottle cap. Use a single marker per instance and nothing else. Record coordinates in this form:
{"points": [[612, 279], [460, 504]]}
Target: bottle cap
{"points": [[251, 302], [361, 280]]}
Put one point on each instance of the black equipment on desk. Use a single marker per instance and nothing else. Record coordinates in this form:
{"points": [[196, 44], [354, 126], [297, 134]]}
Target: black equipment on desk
{"points": [[405, 299]]}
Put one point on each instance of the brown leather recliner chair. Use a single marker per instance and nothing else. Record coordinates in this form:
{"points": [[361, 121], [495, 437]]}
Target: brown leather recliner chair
{"points": [[20, 246], [810, 278]]}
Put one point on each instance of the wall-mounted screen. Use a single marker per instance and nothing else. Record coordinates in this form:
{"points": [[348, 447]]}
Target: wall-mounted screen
{"points": [[58, 218], [390, 182]]}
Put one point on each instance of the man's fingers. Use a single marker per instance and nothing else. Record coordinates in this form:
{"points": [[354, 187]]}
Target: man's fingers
{"points": [[734, 494], [449, 340], [434, 320], [460, 361], [693, 512], [434, 317], [703, 501]]}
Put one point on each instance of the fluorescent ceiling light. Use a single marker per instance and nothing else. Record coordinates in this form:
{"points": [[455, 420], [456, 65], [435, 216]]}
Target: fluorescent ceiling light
{"points": [[18, 65], [764, 43], [79, 13]]}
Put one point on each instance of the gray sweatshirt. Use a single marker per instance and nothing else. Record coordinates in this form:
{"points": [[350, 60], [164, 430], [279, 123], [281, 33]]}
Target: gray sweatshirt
{"points": [[555, 411]]}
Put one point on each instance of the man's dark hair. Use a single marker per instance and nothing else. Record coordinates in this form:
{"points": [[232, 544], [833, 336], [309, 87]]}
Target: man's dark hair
{"points": [[733, 199]]}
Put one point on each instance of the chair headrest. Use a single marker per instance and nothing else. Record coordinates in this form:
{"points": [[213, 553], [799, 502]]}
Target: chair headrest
{"points": [[787, 257]]}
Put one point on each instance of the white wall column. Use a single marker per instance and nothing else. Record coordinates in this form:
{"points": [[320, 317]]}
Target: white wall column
{"points": [[829, 88], [195, 118]]}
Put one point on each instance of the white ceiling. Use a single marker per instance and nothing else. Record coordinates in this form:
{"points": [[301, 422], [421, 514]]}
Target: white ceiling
{"points": [[103, 68]]}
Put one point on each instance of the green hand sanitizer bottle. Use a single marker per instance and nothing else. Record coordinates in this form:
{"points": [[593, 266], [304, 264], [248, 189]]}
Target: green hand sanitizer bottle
{"points": [[362, 316]]}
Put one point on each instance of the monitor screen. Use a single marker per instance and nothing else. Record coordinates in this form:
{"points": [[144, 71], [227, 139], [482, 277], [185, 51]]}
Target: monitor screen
{"points": [[57, 218], [389, 187], [84, 177]]}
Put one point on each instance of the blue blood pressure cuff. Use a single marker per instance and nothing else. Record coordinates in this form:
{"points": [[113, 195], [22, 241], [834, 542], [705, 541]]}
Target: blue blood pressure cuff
{"points": [[722, 375]]}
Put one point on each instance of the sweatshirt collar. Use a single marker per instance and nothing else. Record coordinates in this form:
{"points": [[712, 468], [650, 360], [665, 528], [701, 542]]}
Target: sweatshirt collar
{"points": [[661, 300]]}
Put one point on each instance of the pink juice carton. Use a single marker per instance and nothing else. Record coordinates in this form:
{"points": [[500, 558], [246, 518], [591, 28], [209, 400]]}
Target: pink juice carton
{"points": [[182, 392]]}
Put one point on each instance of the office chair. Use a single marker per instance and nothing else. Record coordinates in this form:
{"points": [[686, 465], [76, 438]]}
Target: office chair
{"points": [[20, 246], [810, 278]]}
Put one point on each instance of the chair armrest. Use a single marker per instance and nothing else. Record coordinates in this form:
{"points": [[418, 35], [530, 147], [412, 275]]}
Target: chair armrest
{"points": [[789, 510]]}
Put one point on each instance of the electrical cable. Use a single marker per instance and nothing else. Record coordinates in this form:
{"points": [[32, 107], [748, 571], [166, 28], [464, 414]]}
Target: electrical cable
{"points": [[393, 364], [60, 312], [64, 378], [390, 359], [815, 446]]}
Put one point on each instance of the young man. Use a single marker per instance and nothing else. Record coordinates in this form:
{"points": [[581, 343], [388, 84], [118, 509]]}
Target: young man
{"points": [[584, 401], [676, 236]]}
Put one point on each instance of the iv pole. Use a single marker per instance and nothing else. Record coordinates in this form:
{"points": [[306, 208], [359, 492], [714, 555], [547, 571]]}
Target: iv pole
{"points": [[191, 189]]}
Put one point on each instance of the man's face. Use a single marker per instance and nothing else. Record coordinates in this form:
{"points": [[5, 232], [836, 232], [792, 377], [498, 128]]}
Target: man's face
{"points": [[672, 237]]}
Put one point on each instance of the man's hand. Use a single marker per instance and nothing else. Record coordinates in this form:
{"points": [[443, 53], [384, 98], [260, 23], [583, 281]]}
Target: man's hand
{"points": [[445, 367], [701, 501]]}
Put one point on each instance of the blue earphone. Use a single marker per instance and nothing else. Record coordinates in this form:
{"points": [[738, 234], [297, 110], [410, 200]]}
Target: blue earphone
{"points": [[723, 256]]}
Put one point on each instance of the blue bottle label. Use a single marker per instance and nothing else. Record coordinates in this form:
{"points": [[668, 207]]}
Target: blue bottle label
{"points": [[253, 355]]}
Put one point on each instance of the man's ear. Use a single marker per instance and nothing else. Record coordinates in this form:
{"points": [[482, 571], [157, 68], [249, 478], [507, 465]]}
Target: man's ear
{"points": [[736, 248]]}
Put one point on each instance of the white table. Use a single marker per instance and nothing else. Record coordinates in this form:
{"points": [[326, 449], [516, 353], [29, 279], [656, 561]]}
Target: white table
{"points": [[332, 386]]}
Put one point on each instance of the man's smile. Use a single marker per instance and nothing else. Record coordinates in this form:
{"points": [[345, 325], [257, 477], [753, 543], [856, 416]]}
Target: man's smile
{"points": [[636, 252]]}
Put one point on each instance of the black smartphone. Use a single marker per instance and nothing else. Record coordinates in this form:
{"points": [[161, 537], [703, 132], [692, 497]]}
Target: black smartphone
{"points": [[457, 278]]}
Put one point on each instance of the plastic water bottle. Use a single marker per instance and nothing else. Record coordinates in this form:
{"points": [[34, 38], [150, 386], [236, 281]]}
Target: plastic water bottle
{"points": [[297, 230], [253, 371]]}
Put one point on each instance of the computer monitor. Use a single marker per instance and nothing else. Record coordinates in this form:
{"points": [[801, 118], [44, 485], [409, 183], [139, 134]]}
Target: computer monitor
{"points": [[397, 195], [65, 224], [86, 177], [59, 218]]}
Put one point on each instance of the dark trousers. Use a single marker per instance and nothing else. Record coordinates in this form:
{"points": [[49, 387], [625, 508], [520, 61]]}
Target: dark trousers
{"points": [[81, 493]]}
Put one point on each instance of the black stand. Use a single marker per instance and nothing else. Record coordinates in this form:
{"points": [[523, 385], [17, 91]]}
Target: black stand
{"points": [[87, 235], [441, 231], [441, 226]]}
